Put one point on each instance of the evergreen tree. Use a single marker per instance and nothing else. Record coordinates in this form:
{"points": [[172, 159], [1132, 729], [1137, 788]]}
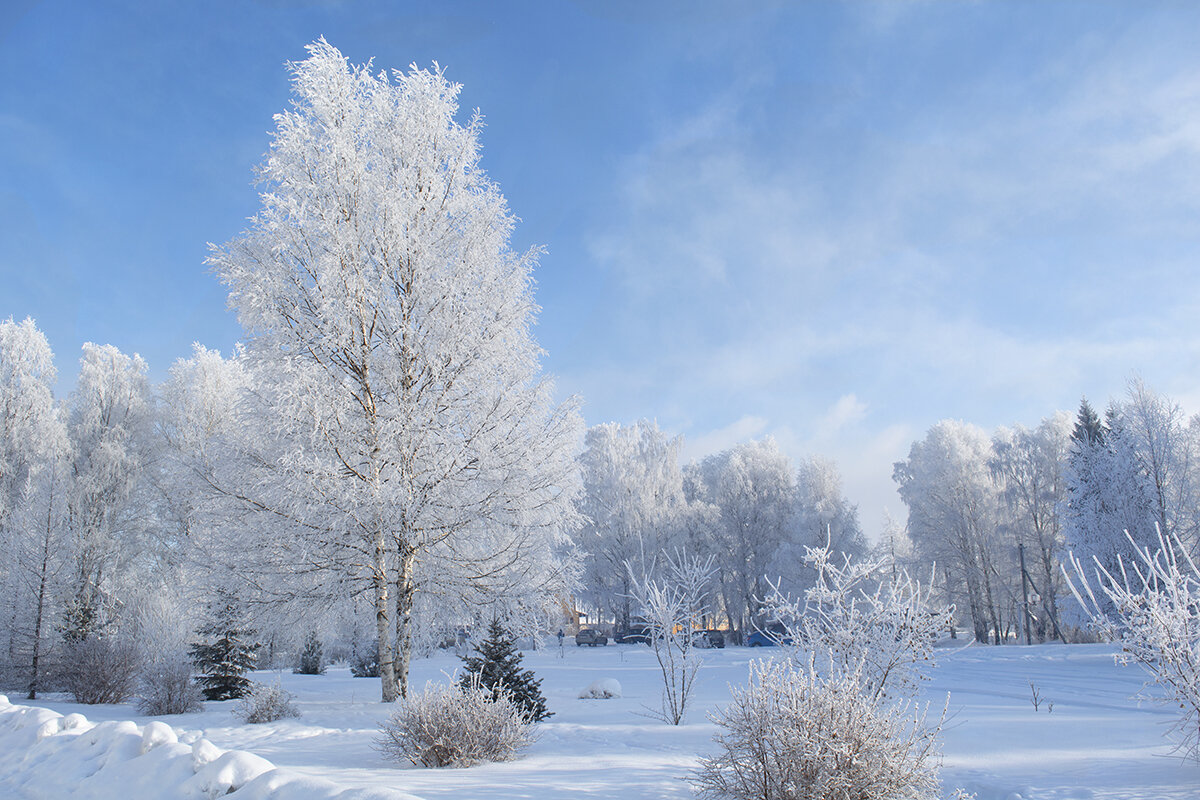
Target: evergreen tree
{"points": [[498, 665], [1109, 495], [364, 660], [1088, 427], [228, 651], [312, 659]]}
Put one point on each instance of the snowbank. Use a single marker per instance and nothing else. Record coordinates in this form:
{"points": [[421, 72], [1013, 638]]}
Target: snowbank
{"points": [[51, 756], [602, 689]]}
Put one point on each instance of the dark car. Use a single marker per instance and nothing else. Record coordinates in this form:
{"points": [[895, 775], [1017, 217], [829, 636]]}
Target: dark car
{"points": [[708, 638], [592, 638], [636, 633], [773, 636]]}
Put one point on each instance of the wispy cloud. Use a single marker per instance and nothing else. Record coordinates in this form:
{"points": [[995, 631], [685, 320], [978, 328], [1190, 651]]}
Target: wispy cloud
{"points": [[990, 256]]}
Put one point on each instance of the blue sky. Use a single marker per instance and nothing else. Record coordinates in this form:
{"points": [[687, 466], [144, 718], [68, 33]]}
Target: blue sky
{"points": [[834, 223]]}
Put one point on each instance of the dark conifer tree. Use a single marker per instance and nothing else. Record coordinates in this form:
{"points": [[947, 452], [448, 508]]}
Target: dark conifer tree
{"points": [[498, 664], [1088, 427], [227, 652], [364, 660], [312, 658]]}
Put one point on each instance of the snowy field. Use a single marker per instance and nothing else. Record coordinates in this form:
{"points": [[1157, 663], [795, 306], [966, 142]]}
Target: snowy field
{"points": [[1096, 742]]}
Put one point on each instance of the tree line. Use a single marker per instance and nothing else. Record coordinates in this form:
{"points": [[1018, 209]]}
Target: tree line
{"points": [[980, 504]]}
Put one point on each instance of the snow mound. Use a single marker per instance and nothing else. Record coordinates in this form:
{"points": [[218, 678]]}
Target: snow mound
{"points": [[48, 755], [601, 689]]}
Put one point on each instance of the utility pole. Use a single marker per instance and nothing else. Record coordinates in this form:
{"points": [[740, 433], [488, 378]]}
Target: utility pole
{"points": [[1024, 592]]}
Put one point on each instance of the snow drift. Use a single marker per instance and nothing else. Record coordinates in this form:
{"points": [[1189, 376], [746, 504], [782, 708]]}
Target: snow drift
{"points": [[54, 756]]}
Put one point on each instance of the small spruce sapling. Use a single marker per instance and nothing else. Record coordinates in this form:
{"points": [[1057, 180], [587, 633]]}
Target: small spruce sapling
{"points": [[497, 663], [364, 660], [228, 651], [312, 657]]}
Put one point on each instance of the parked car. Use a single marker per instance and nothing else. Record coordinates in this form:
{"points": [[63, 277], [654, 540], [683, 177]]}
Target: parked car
{"points": [[708, 638], [590, 637], [773, 636], [637, 633]]}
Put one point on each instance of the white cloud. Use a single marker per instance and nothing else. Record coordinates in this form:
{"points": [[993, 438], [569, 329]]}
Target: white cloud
{"points": [[742, 430], [847, 410]]}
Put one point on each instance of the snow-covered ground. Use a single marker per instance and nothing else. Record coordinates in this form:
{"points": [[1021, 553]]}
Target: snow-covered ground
{"points": [[1096, 742]]}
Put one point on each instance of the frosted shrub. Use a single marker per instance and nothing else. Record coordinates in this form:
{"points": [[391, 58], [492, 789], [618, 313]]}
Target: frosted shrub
{"points": [[856, 617], [791, 735], [101, 670], [1151, 607], [603, 689], [165, 686], [455, 726], [265, 704], [673, 603], [165, 682]]}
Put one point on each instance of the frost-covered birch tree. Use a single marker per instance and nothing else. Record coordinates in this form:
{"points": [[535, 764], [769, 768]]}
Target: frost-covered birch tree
{"points": [[1165, 444], [823, 517], [110, 428], [33, 449], [388, 323], [634, 504], [953, 506], [752, 489], [1030, 467]]}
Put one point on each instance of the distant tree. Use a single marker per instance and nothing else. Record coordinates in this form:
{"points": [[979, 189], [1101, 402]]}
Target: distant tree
{"points": [[823, 517], [1088, 427], [312, 659], [496, 667], [752, 489], [31, 431], [953, 506], [634, 504], [166, 682], [1168, 453], [1030, 469], [227, 652], [1108, 496], [364, 660], [33, 451], [110, 429], [412, 440]]}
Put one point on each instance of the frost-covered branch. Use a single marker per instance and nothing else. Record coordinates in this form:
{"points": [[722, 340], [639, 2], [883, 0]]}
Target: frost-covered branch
{"points": [[672, 600], [858, 618], [1150, 605]]}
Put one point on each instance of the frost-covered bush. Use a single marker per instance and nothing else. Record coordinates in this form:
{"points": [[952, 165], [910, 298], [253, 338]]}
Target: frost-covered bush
{"points": [[264, 703], [603, 689], [1151, 607], [455, 726], [165, 686], [858, 617], [312, 658], [165, 682], [101, 670], [792, 735]]}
